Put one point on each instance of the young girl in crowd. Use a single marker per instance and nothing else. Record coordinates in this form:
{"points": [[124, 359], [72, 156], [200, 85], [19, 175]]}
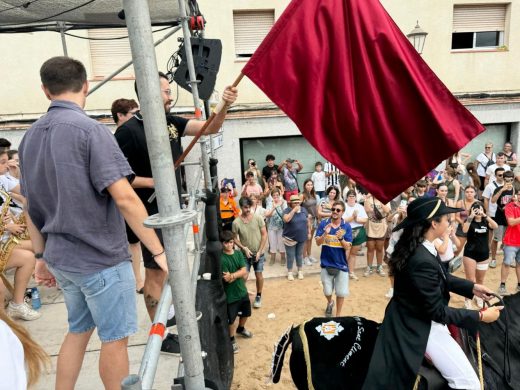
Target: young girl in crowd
{"points": [[376, 232], [309, 203], [274, 215], [356, 216], [442, 194], [325, 206], [476, 251], [465, 204], [15, 248]]}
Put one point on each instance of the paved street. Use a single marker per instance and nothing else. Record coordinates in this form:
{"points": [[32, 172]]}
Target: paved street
{"points": [[50, 329]]}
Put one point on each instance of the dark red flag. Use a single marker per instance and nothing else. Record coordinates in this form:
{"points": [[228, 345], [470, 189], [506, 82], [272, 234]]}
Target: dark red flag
{"points": [[360, 93]]}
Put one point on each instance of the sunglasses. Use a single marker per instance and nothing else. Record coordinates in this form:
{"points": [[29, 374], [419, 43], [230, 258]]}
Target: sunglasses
{"points": [[337, 210]]}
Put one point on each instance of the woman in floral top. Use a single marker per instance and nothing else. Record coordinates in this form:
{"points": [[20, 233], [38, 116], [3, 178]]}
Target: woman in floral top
{"points": [[274, 213]]}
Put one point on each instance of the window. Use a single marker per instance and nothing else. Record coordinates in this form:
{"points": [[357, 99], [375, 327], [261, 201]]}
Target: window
{"points": [[107, 55], [478, 26], [250, 28]]}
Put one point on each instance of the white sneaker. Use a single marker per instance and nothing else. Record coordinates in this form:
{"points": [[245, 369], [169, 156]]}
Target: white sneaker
{"points": [[353, 276], [290, 276], [380, 270], [22, 311], [368, 272], [313, 260], [307, 261], [390, 293], [300, 275]]}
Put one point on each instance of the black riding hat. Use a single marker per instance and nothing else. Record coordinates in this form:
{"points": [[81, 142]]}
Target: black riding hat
{"points": [[424, 208]]}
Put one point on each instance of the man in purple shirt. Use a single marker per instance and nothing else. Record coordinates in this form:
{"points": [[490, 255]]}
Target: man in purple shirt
{"points": [[76, 182]]}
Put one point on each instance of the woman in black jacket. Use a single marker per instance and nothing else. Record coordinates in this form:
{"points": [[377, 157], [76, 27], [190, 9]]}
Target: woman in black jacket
{"points": [[416, 317]]}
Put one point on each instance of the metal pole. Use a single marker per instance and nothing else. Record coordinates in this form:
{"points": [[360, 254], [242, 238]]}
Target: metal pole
{"points": [[194, 90], [61, 26], [171, 219], [119, 70]]}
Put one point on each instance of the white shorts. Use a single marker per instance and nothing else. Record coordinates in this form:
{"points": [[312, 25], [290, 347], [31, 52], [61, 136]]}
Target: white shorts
{"points": [[275, 241], [447, 356]]}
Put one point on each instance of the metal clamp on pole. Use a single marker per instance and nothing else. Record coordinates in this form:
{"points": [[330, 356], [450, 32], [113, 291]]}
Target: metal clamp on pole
{"points": [[157, 222]]}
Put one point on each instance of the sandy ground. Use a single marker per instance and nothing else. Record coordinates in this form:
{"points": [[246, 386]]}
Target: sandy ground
{"points": [[294, 302]]}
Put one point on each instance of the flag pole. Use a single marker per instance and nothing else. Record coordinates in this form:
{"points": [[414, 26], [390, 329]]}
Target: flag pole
{"points": [[217, 109]]}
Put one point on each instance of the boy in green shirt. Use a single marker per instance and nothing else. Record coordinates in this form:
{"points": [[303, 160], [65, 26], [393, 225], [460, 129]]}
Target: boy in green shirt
{"points": [[234, 274]]}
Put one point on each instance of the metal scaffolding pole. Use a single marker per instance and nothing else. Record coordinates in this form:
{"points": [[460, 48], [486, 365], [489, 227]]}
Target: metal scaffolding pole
{"points": [[61, 26], [171, 219], [195, 91]]}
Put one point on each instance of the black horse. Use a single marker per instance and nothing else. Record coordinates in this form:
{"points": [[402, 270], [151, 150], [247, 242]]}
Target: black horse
{"points": [[334, 353]]}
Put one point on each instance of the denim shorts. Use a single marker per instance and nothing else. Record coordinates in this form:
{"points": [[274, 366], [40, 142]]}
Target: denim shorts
{"points": [[337, 282], [511, 255], [258, 266], [104, 299]]}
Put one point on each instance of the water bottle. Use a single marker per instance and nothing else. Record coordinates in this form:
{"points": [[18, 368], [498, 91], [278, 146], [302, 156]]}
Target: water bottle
{"points": [[35, 295]]}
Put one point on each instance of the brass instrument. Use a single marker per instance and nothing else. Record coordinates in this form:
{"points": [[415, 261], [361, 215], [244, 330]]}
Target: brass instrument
{"points": [[6, 247]]}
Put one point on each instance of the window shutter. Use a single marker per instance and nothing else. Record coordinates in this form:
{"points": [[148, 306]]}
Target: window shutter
{"points": [[479, 17], [109, 55], [250, 28]]}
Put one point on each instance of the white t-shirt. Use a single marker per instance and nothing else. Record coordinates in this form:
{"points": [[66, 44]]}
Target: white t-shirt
{"points": [[319, 180], [7, 183], [491, 170], [361, 213], [12, 364], [483, 161], [449, 254], [488, 193]]}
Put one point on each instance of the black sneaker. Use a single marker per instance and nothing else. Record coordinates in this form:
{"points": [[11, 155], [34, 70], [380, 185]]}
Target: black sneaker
{"points": [[172, 322], [170, 345]]}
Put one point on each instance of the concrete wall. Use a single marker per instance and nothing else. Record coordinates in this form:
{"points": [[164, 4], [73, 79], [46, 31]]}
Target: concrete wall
{"points": [[461, 72], [469, 71]]}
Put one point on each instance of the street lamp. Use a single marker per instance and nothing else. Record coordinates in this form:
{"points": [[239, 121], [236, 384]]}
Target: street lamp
{"points": [[417, 37]]}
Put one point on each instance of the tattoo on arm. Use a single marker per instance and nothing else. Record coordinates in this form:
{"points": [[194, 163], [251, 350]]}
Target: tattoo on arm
{"points": [[150, 301]]}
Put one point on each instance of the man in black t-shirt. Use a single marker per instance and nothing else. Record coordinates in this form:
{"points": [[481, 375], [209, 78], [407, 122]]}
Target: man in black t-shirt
{"points": [[269, 168], [132, 141]]}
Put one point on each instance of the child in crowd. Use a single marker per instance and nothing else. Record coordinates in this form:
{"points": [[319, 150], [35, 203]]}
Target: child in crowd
{"points": [[319, 180], [234, 274]]}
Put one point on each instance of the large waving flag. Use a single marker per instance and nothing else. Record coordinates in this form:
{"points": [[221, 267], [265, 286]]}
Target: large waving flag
{"points": [[360, 93]]}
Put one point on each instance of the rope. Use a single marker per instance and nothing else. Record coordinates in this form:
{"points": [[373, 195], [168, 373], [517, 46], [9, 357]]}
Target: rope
{"points": [[417, 381], [480, 369], [306, 354]]}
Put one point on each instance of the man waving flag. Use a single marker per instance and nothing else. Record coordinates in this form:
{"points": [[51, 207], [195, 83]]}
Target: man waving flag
{"points": [[351, 81]]}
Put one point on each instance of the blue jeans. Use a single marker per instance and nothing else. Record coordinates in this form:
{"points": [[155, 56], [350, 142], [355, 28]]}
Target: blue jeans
{"points": [[104, 299], [292, 252]]}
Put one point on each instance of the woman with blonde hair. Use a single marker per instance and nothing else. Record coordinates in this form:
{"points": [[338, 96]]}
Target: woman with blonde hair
{"points": [[22, 360]]}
